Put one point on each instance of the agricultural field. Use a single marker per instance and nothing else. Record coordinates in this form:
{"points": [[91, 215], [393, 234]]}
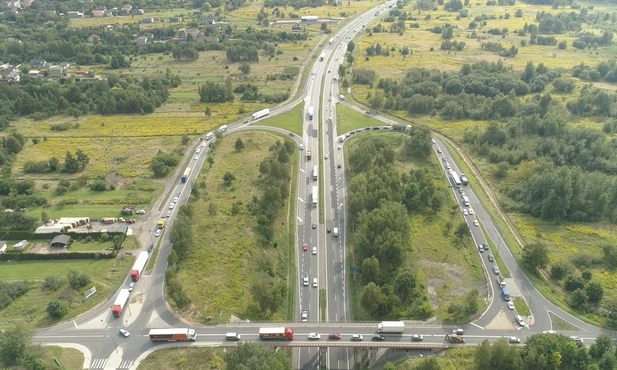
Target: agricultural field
{"points": [[104, 21], [229, 256], [105, 275], [446, 267]]}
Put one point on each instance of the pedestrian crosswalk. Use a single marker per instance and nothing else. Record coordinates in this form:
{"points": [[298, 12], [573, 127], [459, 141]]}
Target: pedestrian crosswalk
{"points": [[125, 364], [100, 363]]}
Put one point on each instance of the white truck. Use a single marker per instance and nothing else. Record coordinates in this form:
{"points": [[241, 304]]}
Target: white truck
{"points": [[315, 196], [139, 265], [120, 302], [310, 112], [261, 113], [391, 327], [223, 128]]}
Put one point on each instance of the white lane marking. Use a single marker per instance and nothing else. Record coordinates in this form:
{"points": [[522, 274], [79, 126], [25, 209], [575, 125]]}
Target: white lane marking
{"points": [[478, 326], [299, 219], [301, 200]]}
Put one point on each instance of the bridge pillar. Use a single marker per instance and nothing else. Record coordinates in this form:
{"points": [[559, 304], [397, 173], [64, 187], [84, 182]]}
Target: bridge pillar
{"points": [[323, 356], [373, 356]]}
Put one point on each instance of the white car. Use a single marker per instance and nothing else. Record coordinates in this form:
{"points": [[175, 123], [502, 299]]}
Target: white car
{"points": [[496, 269], [175, 199], [203, 144], [465, 212], [520, 320], [514, 340], [168, 214], [511, 305], [416, 337], [131, 286], [304, 315], [171, 206], [141, 212], [447, 165], [124, 333], [433, 140], [471, 211], [356, 337], [198, 150], [196, 156], [314, 336], [314, 250], [301, 146], [547, 331], [157, 233], [476, 223]]}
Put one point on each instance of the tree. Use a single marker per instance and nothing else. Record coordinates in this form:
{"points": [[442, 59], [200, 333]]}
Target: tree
{"points": [[579, 298], [210, 161], [57, 309], [461, 231], [574, 282], [602, 345], [607, 361], [420, 143], [482, 355], [428, 364], [535, 256], [371, 297], [185, 139], [71, 164], [404, 285], [351, 46], [370, 270], [44, 217], [77, 280], [256, 356], [595, 291], [54, 164], [14, 344], [245, 68], [228, 178], [471, 301], [239, 146], [324, 26], [52, 283], [208, 112]]}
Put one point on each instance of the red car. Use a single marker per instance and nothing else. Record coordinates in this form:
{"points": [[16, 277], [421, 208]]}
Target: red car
{"points": [[334, 336], [367, 112], [305, 247]]}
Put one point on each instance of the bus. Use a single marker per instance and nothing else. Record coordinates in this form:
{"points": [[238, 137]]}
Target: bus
{"points": [[456, 181], [315, 173], [505, 294], [185, 175], [173, 335]]}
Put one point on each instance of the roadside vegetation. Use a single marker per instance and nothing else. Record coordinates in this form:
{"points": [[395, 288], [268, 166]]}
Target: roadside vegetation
{"points": [[245, 356], [232, 257], [427, 264], [539, 352]]}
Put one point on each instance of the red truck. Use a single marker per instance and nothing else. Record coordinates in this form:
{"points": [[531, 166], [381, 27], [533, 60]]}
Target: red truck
{"points": [[120, 302], [139, 265], [276, 333]]}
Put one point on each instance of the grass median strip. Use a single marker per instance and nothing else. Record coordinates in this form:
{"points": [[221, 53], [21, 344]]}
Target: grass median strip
{"points": [[521, 306]]}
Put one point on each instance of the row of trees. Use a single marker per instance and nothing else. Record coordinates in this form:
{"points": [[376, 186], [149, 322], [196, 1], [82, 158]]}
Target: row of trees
{"points": [[182, 244], [73, 163]]}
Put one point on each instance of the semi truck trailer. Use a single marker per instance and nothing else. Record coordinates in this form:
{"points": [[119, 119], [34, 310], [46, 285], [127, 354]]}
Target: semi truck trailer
{"points": [[391, 327], [276, 333], [315, 196], [186, 174], [261, 113], [120, 302], [173, 335], [139, 265]]}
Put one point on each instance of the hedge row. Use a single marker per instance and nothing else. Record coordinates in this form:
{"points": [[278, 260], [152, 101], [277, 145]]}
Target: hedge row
{"points": [[56, 256], [28, 235]]}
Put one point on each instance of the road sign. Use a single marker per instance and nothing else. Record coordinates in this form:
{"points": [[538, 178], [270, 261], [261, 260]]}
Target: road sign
{"points": [[90, 292]]}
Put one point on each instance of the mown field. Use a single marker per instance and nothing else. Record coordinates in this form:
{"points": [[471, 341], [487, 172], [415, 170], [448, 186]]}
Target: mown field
{"points": [[291, 121], [228, 257], [105, 274], [446, 267], [185, 358]]}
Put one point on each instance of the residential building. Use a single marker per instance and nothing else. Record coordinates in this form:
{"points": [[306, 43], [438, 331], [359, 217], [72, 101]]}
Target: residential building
{"points": [[207, 20], [139, 12], [75, 14], [57, 72], [50, 13], [182, 35], [142, 41], [147, 20], [39, 63], [175, 19], [93, 38], [98, 13]]}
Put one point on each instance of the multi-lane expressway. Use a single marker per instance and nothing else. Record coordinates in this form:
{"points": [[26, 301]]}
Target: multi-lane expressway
{"points": [[96, 333]]}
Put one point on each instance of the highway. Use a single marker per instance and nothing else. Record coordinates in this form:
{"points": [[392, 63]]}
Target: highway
{"points": [[96, 332]]}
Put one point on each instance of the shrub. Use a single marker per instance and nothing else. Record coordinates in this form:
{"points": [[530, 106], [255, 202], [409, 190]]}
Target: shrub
{"points": [[574, 282], [57, 308], [52, 283]]}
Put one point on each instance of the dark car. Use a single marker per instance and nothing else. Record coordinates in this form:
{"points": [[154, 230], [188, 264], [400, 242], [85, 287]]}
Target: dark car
{"points": [[378, 337], [329, 230], [334, 336], [314, 226], [292, 134]]}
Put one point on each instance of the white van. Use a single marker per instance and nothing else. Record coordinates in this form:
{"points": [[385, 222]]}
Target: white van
{"points": [[223, 128], [465, 200], [233, 336], [210, 135], [335, 231]]}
